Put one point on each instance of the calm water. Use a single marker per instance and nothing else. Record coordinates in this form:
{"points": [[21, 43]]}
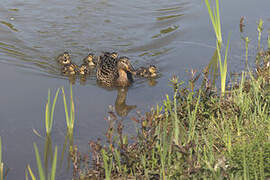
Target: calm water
{"points": [[175, 36]]}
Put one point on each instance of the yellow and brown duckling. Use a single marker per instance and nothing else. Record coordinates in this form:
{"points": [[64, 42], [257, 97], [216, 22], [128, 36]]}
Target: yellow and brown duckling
{"points": [[64, 59], [147, 72], [84, 69], [90, 60], [70, 69], [114, 71]]}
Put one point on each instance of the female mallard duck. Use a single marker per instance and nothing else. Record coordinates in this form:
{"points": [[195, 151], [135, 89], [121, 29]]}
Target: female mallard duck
{"points": [[148, 72], [114, 72], [64, 59], [70, 69]]}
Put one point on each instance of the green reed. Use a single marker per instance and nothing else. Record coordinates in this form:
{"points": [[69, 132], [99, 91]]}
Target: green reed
{"points": [[41, 172], [70, 114], [215, 19], [223, 67], [260, 29], [107, 160], [246, 45], [50, 111]]}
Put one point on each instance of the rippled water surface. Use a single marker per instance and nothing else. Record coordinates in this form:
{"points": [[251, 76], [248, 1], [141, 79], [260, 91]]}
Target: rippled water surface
{"points": [[173, 35]]}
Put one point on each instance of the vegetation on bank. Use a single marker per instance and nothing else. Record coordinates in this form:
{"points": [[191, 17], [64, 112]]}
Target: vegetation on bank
{"points": [[196, 134]]}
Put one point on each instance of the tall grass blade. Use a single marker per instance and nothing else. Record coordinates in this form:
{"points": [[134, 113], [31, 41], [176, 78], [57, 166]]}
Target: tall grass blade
{"points": [[65, 106], [53, 171], [40, 169], [31, 173], [215, 19], [223, 66], [50, 111], [53, 107], [70, 114]]}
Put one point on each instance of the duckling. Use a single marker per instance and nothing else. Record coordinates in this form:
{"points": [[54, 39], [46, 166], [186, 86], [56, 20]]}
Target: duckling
{"points": [[64, 59], [70, 69], [90, 60], [148, 72], [114, 72], [84, 69]]}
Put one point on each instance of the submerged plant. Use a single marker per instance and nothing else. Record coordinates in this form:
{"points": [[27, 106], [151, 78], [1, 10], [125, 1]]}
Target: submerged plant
{"points": [[70, 114], [50, 111], [42, 176]]}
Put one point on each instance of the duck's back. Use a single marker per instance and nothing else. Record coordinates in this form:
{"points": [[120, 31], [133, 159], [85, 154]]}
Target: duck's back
{"points": [[107, 70]]}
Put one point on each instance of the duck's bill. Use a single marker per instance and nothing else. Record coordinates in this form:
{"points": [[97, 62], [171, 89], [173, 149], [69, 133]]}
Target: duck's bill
{"points": [[131, 69]]}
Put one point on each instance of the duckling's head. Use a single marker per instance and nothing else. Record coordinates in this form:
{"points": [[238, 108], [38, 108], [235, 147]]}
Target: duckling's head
{"points": [[152, 69], [83, 69], [124, 64], [64, 58], [89, 59]]}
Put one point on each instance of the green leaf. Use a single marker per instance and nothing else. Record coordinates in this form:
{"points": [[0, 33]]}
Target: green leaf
{"points": [[40, 169], [53, 172]]}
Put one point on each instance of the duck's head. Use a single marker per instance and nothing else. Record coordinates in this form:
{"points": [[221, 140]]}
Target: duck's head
{"points": [[89, 59], [64, 58], [124, 64], [113, 55]]}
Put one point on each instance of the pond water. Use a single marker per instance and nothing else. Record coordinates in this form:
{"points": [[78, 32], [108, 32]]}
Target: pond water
{"points": [[173, 35]]}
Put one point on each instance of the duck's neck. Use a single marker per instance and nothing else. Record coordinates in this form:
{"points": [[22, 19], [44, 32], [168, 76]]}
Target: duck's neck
{"points": [[122, 78]]}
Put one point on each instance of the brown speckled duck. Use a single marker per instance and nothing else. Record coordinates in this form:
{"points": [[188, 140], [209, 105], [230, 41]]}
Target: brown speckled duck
{"points": [[114, 71]]}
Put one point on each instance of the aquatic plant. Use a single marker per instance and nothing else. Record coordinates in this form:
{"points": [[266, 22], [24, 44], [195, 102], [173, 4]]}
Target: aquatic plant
{"points": [[70, 114], [50, 111], [223, 67], [215, 19], [247, 41], [41, 172], [260, 29]]}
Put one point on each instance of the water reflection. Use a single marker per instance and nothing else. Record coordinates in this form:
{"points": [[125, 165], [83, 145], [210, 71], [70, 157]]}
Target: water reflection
{"points": [[121, 108]]}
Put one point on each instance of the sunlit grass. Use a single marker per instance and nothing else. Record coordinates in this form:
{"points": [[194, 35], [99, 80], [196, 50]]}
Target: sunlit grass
{"points": [[50, 111], [215, 19], [223, 67], [260, 29], [246, 45], [41, 172], [70, 114], [107, 160]]}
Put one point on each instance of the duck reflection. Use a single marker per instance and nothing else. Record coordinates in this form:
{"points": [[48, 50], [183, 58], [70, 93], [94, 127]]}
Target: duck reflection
{"points": [[121, 108]]}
